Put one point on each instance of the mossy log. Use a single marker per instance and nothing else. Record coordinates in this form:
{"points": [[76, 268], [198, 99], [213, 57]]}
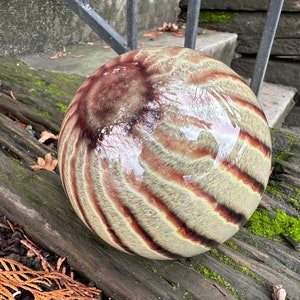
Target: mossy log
{"points": [[245, 267]]}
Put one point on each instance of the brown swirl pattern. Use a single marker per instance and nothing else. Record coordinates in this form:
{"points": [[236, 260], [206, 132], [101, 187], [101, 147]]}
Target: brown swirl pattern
{"points": [[164, 152]]}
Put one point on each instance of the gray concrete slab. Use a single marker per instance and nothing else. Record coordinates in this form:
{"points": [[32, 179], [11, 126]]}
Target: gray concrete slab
{"points": [[277, 101], [85, 59]]}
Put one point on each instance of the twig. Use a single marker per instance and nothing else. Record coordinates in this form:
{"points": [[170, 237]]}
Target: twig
{"points": [[46, 266]]}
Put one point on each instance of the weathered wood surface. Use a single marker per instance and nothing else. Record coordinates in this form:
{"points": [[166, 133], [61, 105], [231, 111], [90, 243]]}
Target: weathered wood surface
{"points": [[37, 202]]}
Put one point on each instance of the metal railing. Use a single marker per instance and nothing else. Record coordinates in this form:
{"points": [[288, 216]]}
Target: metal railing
{"points": [[83, 9]]}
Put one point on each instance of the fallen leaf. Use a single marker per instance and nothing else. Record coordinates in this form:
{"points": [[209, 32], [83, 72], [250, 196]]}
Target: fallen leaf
{"points": [[153, 34], [60, 54], [48, 163], [12, 95], [90, 43], [56, 56], [106, 47], [168, 27], [46, 135], [23, 125], [180, 34]]}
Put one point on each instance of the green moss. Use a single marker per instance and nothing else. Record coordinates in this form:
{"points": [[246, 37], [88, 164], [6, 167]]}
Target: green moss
{"points": [[50, 88], [229, 261], [61, 106], [271, 225], [231, 245], [17, 161], [283, 144], [273, 190], [39, 83], [283, 155], [294, 201], [284, 192], [44, 113], [217, 278], [219, 17], [32, 90], [297, 190]]}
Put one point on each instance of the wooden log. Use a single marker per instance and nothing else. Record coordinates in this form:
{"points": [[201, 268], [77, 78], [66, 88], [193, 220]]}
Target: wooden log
{"points": [[246, 267]]}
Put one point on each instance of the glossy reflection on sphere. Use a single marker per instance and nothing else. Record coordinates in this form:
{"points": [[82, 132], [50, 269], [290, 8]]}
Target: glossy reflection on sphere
{"points": [[164, 152]]}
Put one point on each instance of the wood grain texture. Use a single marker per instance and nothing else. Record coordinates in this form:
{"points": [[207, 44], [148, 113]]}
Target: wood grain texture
{"points": [[36, 201]]}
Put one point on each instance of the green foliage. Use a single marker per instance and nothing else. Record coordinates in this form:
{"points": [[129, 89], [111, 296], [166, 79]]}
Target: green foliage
{"points": [[268, 224]]}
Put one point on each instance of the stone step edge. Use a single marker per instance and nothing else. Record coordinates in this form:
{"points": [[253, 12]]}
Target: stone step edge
{"points": [[277, 101], [85, 59]]}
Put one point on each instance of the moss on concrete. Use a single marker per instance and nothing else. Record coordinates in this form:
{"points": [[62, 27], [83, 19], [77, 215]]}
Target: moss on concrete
{"points": [[216, 17]]}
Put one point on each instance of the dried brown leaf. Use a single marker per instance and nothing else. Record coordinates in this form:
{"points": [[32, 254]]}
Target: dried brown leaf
{"points": [[12, 95], [46, 135], [56, 56], [168, 27], [179, 34], [48, 163]]}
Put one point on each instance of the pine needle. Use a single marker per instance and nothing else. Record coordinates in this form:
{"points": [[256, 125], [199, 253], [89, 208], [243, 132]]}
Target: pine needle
{"points": [[16, 277]]}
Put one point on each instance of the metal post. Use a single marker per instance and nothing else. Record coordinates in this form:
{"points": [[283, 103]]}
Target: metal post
{"points": [[192, 23], [272, 20], [132, 24], [83, 9]]}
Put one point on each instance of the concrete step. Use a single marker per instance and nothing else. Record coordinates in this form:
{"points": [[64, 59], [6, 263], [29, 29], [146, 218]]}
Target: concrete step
{"points": [[84, 59], [277, 101]]}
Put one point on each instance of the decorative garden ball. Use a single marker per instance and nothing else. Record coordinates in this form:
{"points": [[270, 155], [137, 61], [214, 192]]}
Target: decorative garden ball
{"points": [[164, 152]]}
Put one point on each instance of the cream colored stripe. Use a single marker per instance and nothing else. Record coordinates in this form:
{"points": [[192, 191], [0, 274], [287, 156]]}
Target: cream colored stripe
{"points": [[196, 212], [153, 220]]}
